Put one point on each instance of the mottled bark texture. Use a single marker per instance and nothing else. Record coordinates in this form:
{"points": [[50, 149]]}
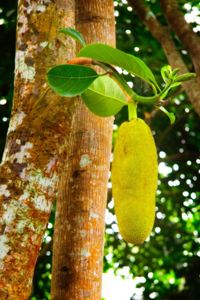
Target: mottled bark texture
{"points": [[162, 33], [79, 226], [40, 121]]}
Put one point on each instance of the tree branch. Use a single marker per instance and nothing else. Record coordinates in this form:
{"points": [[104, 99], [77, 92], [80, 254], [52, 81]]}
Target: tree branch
{"points": [[181, 156], [183, 30], [163, 36], [160, 32]]}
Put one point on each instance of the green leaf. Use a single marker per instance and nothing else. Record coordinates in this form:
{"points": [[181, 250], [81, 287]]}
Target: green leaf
{"points": [[175, 84], [185, 77], [171, 90], [170, 115], [104, 97], [70, 80], [74, 34], [109, 55], [174, 72], [166, 72]]}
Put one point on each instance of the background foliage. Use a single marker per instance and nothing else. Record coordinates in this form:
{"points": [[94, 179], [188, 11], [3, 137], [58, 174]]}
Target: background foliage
{"points": [[168, 264]]}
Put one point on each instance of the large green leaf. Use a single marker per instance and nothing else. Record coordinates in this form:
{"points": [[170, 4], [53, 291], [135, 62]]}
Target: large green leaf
{"points": [[104, 97], [74, 34], [116, 57], [70, 80]]}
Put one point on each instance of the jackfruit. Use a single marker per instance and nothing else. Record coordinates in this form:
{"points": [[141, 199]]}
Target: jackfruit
{"points": [[134, 180]]}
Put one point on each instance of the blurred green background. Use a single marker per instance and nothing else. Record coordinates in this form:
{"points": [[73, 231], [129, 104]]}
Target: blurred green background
{"points": [[168, 264]]}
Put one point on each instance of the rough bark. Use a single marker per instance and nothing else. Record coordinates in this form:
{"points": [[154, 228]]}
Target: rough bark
{"points": [[79, 225], [163, 35], [29, 170]]}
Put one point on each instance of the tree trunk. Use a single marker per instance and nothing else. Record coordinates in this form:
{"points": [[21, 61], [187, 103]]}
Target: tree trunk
{"points": [[29, 170], [79, 225]]}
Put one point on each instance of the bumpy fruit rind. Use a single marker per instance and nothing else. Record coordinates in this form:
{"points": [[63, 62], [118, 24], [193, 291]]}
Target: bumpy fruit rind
{"points": [[134, 180]]}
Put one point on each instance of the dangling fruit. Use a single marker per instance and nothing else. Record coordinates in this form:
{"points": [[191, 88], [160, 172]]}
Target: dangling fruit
{"points": [[134, 180]]}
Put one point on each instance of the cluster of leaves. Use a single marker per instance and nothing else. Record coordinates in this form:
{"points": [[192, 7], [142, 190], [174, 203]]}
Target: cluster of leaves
{"points": [[106, 94]]}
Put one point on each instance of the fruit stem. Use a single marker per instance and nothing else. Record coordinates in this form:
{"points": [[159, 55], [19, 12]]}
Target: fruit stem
{"points": [[132, 110]]}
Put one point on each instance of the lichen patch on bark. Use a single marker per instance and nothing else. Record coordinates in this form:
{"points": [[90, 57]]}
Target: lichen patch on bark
{"points": [[16, 120], [4, 248], [41, 203], [23, 153], [85, 161], [44, 44], [4, 190], [10, 212], [35, 7], [94, 215], [26, 72], [85, 252]]}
